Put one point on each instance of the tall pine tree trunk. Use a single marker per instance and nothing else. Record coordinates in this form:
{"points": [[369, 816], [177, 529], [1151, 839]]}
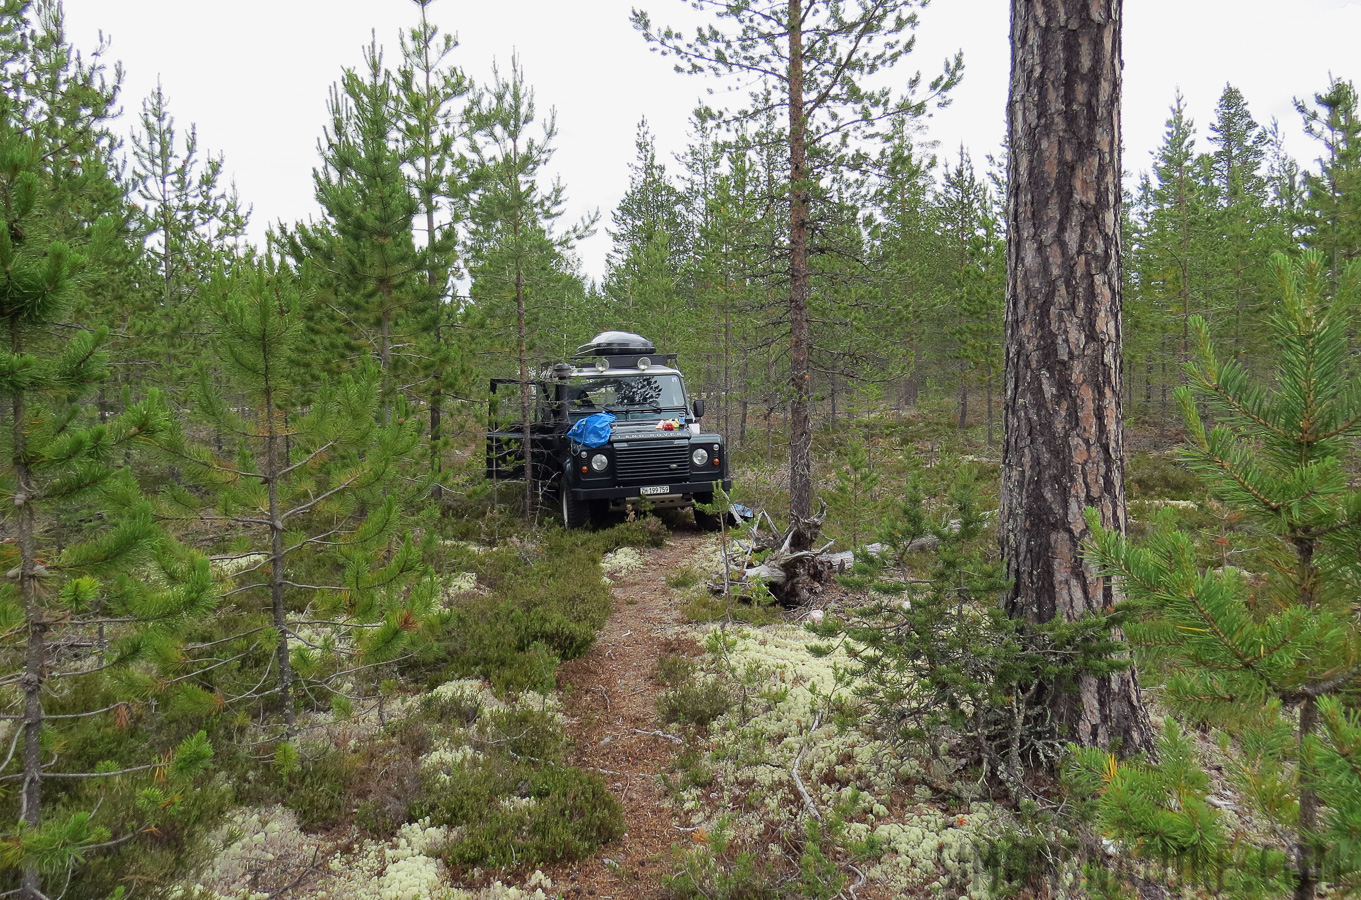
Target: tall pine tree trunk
{"points": [[273, 466], [913, 388], [1306, 870], [385, 345], [988, 387], [1148, 384], [1063, 444], [437, 390], [1306, 838], [800, 414], [1162, 394], [436, 417], [746, 400], [526, 412], [35, 648], [522, 333]]}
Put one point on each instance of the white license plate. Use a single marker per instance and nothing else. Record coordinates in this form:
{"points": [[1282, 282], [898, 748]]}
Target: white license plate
{"points": [[658, 489]]}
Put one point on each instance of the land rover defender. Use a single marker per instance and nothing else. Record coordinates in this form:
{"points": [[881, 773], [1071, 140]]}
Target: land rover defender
{"points": [[645, 445]]}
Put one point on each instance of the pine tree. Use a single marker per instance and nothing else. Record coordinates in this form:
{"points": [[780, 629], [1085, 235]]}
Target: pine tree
{"points": [[191, 223], [366, 248], [1246, 225], [90, 612], [981, 306], [519, 268], [309, 497], [67, 100], [1063, 447], [853, 495], [905, 237], [808, 60], [1177, 228], [963, 209], [942, 664], [435, 120], [1285, 181], [1240, 149], [651, 238], [723, 288], [851, 361], [1145, 325], [1332, 202], [1270, 660]]}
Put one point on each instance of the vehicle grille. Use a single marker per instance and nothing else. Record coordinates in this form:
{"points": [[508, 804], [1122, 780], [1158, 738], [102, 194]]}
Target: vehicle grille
{"points": [[653, 462]]}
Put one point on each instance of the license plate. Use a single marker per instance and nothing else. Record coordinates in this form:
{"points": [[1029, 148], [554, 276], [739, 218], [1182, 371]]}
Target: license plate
{"points": [[658, 489]]}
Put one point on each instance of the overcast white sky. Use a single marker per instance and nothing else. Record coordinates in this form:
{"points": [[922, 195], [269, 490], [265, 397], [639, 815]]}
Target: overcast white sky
{"points": [[253, 75]]}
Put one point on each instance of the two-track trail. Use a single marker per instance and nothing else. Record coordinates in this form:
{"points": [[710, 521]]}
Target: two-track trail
{"points": [[610, 698]]}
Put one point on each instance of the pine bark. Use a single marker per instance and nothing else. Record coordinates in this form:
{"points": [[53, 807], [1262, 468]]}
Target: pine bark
{"points": [[800, 339], [1063, 443], [273, 467], [437, 391], [35, 650]]}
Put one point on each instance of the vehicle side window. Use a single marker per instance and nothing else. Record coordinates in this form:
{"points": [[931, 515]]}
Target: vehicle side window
{"points": [[543, 407]]}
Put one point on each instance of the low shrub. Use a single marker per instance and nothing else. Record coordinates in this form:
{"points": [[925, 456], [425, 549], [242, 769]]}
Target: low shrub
{"points": [[318, 790], [1160, 476], [647, 531], [755, 606], [716, 870], [673, 670], [546, 604], [682, 579], [509, 814], [524, 733], [695, 703]]}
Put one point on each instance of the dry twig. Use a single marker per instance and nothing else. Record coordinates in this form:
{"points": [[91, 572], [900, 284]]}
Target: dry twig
{"points": [[798, 780]]}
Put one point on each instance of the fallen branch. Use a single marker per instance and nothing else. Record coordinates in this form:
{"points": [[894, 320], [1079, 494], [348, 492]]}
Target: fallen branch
{"points": [[798, 780], [858, 884], [660, 734]]}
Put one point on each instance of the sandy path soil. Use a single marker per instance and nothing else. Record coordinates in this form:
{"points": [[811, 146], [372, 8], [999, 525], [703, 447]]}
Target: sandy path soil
{"points": [[610, 697]]}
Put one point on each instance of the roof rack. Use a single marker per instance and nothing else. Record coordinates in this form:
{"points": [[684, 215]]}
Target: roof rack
{"points": [[629, 361]]}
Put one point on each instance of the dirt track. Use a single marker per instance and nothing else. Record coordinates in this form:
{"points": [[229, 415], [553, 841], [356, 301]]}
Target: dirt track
{"points": [[610, 697]]}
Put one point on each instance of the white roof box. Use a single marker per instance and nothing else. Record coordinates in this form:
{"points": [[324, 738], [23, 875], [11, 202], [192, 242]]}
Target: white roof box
{"points": [[616, 343]]}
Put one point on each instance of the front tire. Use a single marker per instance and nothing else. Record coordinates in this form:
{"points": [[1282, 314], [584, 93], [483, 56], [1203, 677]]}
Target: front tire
{"points": [[707, 521], [575, 513]]}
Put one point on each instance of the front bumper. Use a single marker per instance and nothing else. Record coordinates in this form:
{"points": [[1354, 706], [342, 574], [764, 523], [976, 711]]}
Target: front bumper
{"points": [[677, 492]]}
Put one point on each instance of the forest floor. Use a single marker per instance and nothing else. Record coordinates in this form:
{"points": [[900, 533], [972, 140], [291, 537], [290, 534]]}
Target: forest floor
{"points": [[610, 699]]}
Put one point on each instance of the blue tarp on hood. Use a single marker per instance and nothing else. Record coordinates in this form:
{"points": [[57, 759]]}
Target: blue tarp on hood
{"points": [[592, 431]]}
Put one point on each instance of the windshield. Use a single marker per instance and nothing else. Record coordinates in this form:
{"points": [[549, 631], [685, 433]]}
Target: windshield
{"points": [[627, 396]]}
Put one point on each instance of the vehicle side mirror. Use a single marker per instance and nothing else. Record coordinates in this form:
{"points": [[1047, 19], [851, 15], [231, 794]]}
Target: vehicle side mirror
{"points": [[699, 407]]}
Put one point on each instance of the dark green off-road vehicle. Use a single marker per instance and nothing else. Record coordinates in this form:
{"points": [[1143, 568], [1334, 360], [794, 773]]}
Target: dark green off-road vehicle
{"points": [[654, 453]]}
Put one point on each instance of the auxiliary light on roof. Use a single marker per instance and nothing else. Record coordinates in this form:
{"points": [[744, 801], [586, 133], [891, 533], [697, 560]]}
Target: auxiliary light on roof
{"points": [[644, 362]]}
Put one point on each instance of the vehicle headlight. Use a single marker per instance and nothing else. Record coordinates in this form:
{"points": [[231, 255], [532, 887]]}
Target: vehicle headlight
{"points": [[700, 456], [599, 462]]}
